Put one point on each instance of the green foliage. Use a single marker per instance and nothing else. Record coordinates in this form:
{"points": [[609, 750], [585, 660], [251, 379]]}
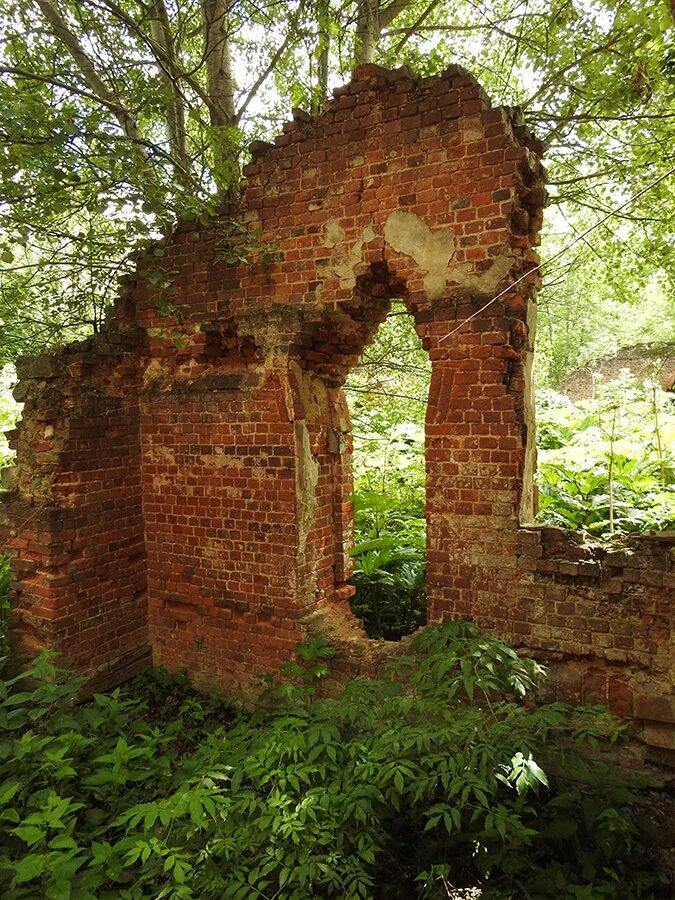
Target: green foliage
{"points": [[115, 125], [9, 413], [67, 771], [239, 244], [598, 304], [390, 580], [387, 393], [441, 771], [607, 464]]}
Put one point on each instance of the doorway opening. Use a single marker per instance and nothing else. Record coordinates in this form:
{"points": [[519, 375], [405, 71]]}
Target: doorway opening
{"points": [[387, 394]]}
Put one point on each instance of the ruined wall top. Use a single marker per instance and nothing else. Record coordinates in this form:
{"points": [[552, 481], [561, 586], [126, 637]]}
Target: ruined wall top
{"points": [[403, 187]]}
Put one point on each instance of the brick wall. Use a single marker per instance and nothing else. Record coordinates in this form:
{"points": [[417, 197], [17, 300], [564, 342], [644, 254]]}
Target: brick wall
{"points": [[76, 531], [193, 493]]}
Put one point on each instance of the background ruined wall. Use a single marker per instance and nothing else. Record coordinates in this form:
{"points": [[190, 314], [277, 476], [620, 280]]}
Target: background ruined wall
{"points": [[73, 519], [199, 504]]}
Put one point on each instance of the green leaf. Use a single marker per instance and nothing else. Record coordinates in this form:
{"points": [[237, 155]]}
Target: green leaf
{"points": [[29, 868], [30, 834]]}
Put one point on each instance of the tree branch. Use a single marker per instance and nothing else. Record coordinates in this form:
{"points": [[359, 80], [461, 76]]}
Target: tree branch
{"points": [[160, 28], [106, 95], [557, 75], [181, 75], [387, 14], [263, 76], [140, 142], [215, 20], [408, 32], [218, 62]]}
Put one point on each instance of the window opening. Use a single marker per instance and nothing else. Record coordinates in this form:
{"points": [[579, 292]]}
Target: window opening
{"points": [[387, 395]]}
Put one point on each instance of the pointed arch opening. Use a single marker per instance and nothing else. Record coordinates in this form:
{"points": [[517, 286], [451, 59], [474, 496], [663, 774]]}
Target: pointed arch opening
{"points": [[387, 393]]}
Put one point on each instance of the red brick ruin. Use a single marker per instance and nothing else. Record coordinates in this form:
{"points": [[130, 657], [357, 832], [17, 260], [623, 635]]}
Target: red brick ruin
{"points": [[182, 486]]}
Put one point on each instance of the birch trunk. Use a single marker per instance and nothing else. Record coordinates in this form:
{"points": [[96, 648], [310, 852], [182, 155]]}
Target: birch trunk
{"points": [[372, 16], [367, 30], [160, 29], [222, 110]]}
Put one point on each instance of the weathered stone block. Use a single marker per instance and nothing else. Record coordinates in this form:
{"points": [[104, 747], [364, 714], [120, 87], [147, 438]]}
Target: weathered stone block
{"points": [[655, 708]]}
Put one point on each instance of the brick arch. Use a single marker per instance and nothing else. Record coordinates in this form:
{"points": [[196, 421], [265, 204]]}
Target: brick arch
{"points": [[220, 502], [181, 488]]}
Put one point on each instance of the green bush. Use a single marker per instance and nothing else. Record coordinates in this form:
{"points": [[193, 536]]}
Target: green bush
{"points": [[441, 774], [607, 464], [390, 580], [389, 565], [9, 414]]}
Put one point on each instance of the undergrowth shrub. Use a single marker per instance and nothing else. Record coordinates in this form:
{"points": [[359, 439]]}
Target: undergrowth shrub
{"points": [[390, 581], [441, 773], [389, 565], [606, 464]]}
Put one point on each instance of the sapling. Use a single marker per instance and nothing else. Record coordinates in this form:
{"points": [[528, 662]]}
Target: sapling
{"points": [[610, 479], [657, 431]]}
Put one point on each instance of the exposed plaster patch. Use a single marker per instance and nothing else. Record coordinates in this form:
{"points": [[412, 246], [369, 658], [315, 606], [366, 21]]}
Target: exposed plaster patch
{"points": [[432, 250], [158, 454], [269, 328], [334, 234], [345, 261], [287, 394], [306, 479], [312, 392], [487, 281], [226, 461], [161, 482], [407, 233], [528, 499], [157, 375]]}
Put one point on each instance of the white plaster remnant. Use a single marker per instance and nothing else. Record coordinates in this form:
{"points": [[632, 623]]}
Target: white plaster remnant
{"points": [[226, 461], [158, 454], [345, 261], [334, 234], [432, 250], [487, 281], [306, 478], [156, 375], [528, 491]]}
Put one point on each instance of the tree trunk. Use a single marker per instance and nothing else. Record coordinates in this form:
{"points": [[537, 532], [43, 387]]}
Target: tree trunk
{"points": [[321, 93], [367, 30], [371, 17], [107, 96], [215, 23], [160, 29]]}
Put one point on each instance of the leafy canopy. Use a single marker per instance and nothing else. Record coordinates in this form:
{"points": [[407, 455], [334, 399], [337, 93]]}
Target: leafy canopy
{"points": [[118, 117]]}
